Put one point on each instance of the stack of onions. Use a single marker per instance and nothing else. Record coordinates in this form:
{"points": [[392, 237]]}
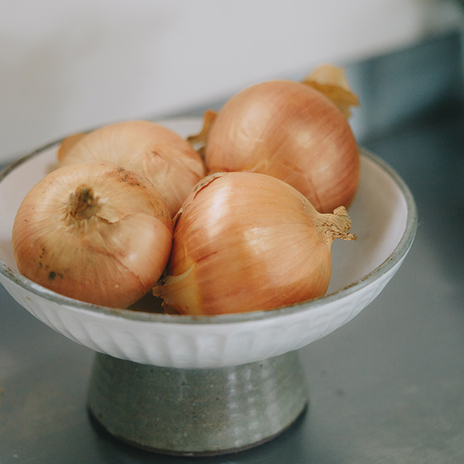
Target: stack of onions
{"points": [[246, 242], [95, 232], [297, 132], [255, 234], [156, 152]]}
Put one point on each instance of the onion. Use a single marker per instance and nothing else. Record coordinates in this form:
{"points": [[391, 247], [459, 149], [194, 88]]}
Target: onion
{"points": [[158, 153], [95, 232], [288, 130], [246, 242]]}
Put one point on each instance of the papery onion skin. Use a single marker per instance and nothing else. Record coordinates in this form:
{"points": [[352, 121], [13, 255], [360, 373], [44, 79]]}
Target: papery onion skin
{"points": [[109, 254], [156, 152], [292, 132], [67, 144], [245, 242]]}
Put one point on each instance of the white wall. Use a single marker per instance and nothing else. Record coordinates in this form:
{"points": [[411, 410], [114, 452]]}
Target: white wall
{"points": [[70, 65]]}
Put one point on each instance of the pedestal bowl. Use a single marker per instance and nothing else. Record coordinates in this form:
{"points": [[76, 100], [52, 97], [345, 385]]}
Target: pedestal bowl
{"points": [[213, 384]]}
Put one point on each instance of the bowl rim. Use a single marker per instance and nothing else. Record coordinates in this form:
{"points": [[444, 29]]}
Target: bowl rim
{"points": [[395, 257]]}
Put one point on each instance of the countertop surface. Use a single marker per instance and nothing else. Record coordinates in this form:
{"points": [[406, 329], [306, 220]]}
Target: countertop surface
{"points": [[388, 387]]}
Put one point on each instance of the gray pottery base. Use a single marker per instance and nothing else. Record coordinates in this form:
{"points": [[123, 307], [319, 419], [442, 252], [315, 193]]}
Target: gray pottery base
{"points": [[197, 411]]}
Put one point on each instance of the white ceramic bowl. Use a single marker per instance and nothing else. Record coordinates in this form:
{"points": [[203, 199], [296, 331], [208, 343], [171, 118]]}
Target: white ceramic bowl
{"points": [[383, 216]]}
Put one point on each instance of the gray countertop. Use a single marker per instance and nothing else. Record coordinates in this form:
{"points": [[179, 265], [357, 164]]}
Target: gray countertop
{"points": [[386, 388]]}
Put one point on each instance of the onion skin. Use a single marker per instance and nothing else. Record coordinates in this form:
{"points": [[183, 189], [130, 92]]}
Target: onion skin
{"points": [[290, 131], [67, 144], [245, 242], [95, 232], [156, 152]]}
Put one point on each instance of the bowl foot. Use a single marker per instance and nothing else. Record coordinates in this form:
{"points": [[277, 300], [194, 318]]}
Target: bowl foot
{"points": [[197, 411]]}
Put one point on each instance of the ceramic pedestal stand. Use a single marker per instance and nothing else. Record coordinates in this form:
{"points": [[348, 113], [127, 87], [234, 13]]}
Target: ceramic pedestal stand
{"points": [[197, 404], [197, 411]]}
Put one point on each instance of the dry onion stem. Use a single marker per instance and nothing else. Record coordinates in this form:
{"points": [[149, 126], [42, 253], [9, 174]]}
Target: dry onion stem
{"points": [[156, 152], [331, 81], [246, 242], [95, 232], [288, 130]]}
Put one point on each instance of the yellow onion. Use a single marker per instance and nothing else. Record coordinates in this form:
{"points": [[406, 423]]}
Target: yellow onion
{"points": [[246, 242], [156, 152], [95, 232], [291, 131]]}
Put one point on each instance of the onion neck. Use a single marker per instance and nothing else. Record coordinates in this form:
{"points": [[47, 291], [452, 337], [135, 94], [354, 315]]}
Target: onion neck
{"points": [[337, 225], [201, 138], [82, 203]]}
